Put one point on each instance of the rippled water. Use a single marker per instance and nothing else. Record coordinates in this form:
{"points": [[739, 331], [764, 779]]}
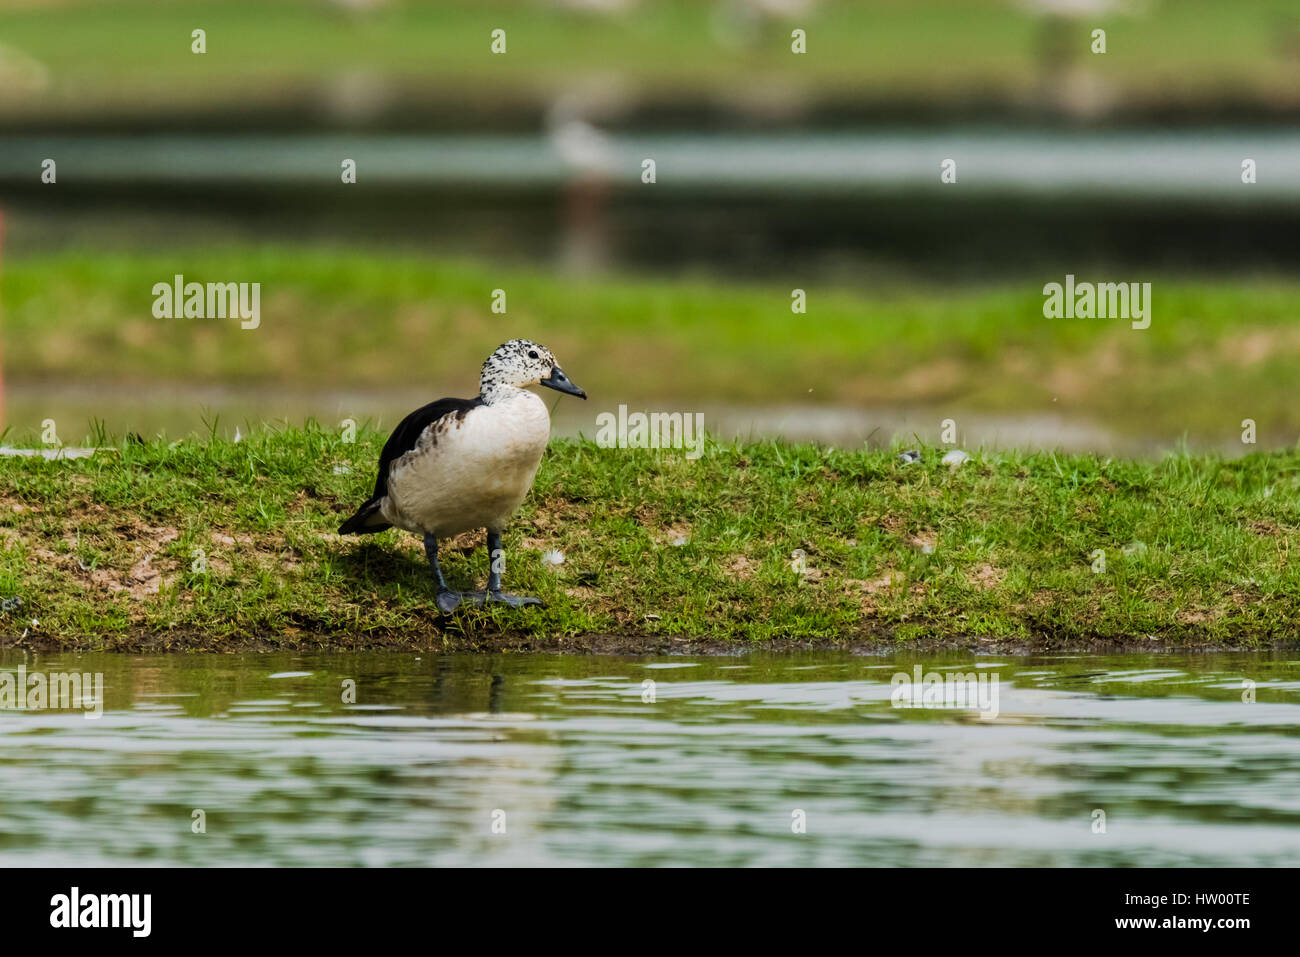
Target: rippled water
{"points": [[582, 768]]}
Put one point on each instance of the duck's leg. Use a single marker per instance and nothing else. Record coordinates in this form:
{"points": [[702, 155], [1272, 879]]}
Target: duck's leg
{"points": [[447, 599], [497, 561]]}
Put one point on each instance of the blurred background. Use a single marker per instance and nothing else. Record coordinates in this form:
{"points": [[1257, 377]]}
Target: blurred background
{"points": [[522, 171]]}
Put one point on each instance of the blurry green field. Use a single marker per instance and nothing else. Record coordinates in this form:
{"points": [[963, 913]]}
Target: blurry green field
{"points": [[137, 53], [1215, 353]]}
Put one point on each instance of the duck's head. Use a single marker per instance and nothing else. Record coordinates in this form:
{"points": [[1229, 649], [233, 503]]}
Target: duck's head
{"points": [[521, 363]]}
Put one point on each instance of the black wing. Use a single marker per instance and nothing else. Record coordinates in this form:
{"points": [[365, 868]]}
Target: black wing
{"points": [[403, 440]]}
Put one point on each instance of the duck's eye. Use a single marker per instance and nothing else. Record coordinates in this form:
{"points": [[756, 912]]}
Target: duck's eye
{"points": [[532, 353]]}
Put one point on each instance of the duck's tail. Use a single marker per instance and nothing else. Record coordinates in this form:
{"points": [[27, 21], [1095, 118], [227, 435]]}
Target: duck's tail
{"points": [[367, 520]]}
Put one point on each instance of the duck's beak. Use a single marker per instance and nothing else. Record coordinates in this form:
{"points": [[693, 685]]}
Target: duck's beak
{"points": [[558, 381]]}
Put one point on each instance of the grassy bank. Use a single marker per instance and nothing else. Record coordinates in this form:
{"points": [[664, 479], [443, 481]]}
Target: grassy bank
{"points": [[1215, 354], [657, 549]]}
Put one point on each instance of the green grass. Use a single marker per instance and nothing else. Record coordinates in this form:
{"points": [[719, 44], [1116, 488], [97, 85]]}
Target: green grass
{"points": [[1215, 354], [102, 550], [137, 54]]}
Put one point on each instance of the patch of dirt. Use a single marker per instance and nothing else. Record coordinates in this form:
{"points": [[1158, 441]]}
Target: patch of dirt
{"points": [[678, 534], [883, 583], [11, 503], [466, 543], [865, 591], [741, 567], [986, 576], [924, 541], [892, 524], [145, 570], [142, 579], [1197, 616], [224, 539]]}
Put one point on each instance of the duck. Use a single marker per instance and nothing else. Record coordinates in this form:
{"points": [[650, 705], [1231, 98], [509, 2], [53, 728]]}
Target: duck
{"points": [[458, 465]]}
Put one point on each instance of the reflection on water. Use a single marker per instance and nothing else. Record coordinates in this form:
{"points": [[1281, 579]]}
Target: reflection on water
{"points": [[588, 771], [185, 410]]}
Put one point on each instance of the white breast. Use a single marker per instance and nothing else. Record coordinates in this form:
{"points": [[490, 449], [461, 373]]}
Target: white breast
{"points": [[471, 472]]}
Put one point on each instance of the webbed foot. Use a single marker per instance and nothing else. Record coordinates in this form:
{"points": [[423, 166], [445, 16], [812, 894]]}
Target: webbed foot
{"points": [[514, 601], [492, 597], [448, 600]]}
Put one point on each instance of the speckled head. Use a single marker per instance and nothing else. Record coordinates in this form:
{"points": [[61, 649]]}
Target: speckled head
{"points": [[519, 363]]}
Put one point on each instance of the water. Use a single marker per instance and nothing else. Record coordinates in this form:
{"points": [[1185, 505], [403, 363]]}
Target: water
{"points": [[709, 773], [185, 409], [863, 207], [1185, 165]]}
